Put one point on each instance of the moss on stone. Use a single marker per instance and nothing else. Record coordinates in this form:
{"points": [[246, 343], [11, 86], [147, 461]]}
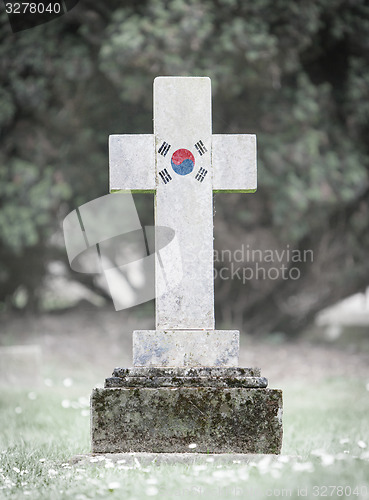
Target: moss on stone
{"points": [[218, 420]]}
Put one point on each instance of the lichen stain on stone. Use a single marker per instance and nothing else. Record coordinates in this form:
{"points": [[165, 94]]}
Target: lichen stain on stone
{"points": [[225, 410], [163, 419]]}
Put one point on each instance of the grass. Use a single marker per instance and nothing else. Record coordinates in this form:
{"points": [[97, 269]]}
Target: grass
{"points": [[325, 425]]}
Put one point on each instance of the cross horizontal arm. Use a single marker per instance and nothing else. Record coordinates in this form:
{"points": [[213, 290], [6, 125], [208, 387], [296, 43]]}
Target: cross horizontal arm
{"points": [[234, 163], [132, 163]]}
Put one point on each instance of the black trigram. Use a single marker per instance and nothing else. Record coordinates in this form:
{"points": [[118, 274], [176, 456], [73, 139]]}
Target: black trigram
{"points": [[164, 174], [200, 176], [201, 149], [164, 148]]}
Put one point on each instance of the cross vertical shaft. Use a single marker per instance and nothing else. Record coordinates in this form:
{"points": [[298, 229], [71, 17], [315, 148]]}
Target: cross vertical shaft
{"points": [[182, 118]]}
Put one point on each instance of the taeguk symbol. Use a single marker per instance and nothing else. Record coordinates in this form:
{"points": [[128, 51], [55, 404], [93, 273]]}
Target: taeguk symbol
{"points": [[183, 161]]}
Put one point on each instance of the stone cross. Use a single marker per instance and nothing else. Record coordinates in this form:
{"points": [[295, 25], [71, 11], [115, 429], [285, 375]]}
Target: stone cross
{"points": [[183, 163], [185, 391]]}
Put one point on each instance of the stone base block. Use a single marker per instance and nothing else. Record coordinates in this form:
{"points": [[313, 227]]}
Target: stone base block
{"points": [[185, 348], [170, 419]]}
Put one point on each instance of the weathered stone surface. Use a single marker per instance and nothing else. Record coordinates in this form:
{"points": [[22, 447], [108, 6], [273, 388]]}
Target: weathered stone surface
{"points": [[185, 348], [255, 382], [168, 420], [184, 200], [227, 174], [127, 151], [195, 371], [182, 118]]}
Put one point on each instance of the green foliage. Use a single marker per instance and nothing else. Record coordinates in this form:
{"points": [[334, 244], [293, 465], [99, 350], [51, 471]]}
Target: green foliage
{"points": [[262, 59], [38, 194], [294, 73]]}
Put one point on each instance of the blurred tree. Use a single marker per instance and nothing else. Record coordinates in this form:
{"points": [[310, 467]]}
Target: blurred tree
{"points": [[296, 74]]}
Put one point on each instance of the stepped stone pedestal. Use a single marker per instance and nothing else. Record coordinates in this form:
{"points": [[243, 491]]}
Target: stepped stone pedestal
{"points": [[165, 409]]}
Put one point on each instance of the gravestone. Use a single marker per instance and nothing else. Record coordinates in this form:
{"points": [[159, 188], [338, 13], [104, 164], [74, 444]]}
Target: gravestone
{"points": [[185, 386]]}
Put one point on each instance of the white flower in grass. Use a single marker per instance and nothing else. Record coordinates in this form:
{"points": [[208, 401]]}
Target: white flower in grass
{"points": [[85, 413], [327, 460], [210, 459], [67, 382], [277, 465], [114, 485], [341, 456], [152, 480], [361, 444], [109, 465], [42, 460], [199, 467], [121, 461], [18, 410], [344, 440], [275, 473], [84, 402], [94, 459], [303, 467], [26, 492], [152, 491], [15, 469], [65, 403], [318, 453], [32, 396], [52, 472], [219, 474], [225, 474], [192, 446], [243, 474], [264, 464]]}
